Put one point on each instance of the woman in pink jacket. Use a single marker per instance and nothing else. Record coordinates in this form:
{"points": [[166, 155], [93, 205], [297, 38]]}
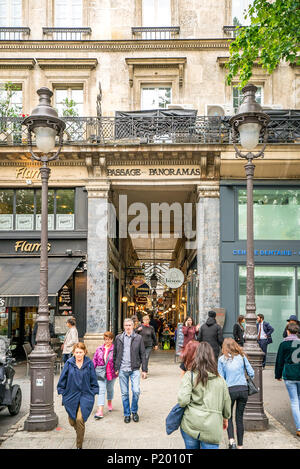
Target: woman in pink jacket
{"points": [[104, 354]]}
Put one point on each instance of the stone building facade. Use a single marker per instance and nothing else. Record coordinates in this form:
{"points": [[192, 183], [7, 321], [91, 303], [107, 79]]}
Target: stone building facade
{"points": [[105, 58]]}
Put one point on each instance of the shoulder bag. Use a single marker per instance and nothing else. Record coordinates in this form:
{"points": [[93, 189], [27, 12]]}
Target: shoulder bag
{"points": [[174, 418], [252, 389], [101, 369]]}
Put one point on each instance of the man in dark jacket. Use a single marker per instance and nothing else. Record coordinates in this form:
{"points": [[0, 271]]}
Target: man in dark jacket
{"points": [[264, 335], [149, 337], [212, 333], [129, 355]]}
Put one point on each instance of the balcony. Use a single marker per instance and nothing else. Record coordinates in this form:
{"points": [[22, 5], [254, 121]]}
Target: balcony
{"points": [[157, 33], [66, 34], [284, 128], [13, 33], [231, 31]]}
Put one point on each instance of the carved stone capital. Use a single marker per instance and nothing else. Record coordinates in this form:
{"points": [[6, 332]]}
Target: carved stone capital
{"points": [[208, 189]]}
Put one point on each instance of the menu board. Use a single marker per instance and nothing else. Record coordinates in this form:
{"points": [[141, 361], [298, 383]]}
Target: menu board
{"points": [[6, 222], [179, 339]]}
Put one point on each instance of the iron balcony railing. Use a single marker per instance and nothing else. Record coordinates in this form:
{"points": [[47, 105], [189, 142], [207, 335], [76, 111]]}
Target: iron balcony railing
{"points": [[153, 130], [66, 34], [164, 32], [13, 33], [232, 31]]}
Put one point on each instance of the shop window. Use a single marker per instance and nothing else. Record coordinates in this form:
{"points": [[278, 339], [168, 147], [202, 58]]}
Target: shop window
{"points": [[276, 214], [155, 97], [237, 97], [65, 209], [274, 297], [156, 13], [68, 13], [6, 209], [50, 209], [239, 10], [25, 209]]}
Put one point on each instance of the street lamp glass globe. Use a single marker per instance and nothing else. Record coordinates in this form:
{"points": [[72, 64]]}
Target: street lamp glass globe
{"points": [[249, 134], [45, 139]]}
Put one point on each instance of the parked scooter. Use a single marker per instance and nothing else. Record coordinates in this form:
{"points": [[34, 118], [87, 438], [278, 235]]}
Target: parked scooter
{"points": [[10, 395]]}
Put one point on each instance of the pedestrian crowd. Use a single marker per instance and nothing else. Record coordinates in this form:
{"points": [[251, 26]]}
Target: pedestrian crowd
{"points": [[215, 376]]}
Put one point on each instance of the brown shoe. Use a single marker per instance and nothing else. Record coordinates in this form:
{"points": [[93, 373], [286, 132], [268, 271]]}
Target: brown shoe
{"points": [[298, 433]]}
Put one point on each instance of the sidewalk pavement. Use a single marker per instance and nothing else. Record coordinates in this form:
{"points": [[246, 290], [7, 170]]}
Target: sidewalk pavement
{"points": [[158, 395]]}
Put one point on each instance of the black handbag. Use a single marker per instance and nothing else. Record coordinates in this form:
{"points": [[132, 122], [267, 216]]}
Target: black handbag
{"points": [[101, 369], [252, 389]]}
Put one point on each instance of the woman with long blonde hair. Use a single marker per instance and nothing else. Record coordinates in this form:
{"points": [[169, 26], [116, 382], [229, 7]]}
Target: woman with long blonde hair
{"points": [[231, 366]]}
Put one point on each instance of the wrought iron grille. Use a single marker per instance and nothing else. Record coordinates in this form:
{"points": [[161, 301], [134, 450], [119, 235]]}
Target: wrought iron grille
{"points": [[284, 127], [13, 33], [66, 34], [170, 32]]}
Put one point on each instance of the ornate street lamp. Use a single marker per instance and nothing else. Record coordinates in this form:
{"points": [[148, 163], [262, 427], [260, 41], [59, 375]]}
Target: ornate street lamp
{"points": [[46, 125], [250, 123], [153, 280]]}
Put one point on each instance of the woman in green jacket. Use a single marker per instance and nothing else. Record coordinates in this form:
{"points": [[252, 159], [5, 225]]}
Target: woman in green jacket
{"points": [[205, 395]]}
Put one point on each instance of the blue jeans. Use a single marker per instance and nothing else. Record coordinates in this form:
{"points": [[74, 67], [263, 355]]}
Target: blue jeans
{"points": [[135, 388], [293, 388], [192, 443], [105, 386]]}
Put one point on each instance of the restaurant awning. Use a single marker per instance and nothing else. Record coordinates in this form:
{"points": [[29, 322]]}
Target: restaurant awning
{"points": [[20, 279]]}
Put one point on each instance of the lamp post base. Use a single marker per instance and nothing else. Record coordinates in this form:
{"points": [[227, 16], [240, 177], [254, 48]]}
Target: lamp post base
{"points": [[255, 418], [41, 414]]}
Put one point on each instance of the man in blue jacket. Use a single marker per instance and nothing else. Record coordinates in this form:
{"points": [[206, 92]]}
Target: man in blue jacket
{"points": [[264, 335]]}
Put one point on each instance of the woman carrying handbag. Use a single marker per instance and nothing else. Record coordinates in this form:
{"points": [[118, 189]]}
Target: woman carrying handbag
{"points": [[104, 367], [232, 366]]}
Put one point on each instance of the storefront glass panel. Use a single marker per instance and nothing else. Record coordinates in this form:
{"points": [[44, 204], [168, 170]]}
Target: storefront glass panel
{"points": [[276, 214], [25, 209], [6, 209], [274, 297]]}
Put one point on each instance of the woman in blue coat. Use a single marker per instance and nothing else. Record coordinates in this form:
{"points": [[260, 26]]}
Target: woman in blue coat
{"points": [[78, 385]]}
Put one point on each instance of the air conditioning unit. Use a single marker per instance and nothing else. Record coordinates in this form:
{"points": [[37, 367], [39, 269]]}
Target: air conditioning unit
{"points": [[219, 110], [180, 106]]}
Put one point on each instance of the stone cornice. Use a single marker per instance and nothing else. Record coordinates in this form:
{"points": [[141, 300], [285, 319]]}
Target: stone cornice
{"points": [[17, 63], [117, 45], [72, 63]]}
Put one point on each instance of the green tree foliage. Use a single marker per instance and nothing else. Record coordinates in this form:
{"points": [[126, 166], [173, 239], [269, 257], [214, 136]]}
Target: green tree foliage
{"points": [[274, 35], [69, 108]]}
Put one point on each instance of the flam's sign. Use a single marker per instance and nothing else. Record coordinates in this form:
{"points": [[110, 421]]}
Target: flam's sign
{"points": [[25, 246], [28, 173]]}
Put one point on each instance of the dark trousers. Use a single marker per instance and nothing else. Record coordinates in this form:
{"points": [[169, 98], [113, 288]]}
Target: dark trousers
{"points": [[148, 352], [263, 343], [240, 399]]}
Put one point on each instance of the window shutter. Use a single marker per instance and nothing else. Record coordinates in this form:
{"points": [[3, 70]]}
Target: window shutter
{"points": [[61, 10], [16, 13], [148, 13], [163, 15], [76, 13], [4, 13]]}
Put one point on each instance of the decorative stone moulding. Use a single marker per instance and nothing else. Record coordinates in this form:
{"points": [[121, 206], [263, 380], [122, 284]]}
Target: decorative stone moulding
{"points": [[71, 63], [156, 62], [17, 63]]}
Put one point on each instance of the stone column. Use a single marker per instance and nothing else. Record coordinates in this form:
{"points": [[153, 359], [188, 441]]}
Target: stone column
{"points": [[208, 247], [97, 266]]}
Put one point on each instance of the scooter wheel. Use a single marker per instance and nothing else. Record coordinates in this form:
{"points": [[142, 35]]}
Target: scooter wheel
{"points": [[14, 408]]}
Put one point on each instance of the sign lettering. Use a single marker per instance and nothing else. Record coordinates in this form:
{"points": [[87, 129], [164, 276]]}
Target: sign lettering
{"points": [[25, 246]]}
